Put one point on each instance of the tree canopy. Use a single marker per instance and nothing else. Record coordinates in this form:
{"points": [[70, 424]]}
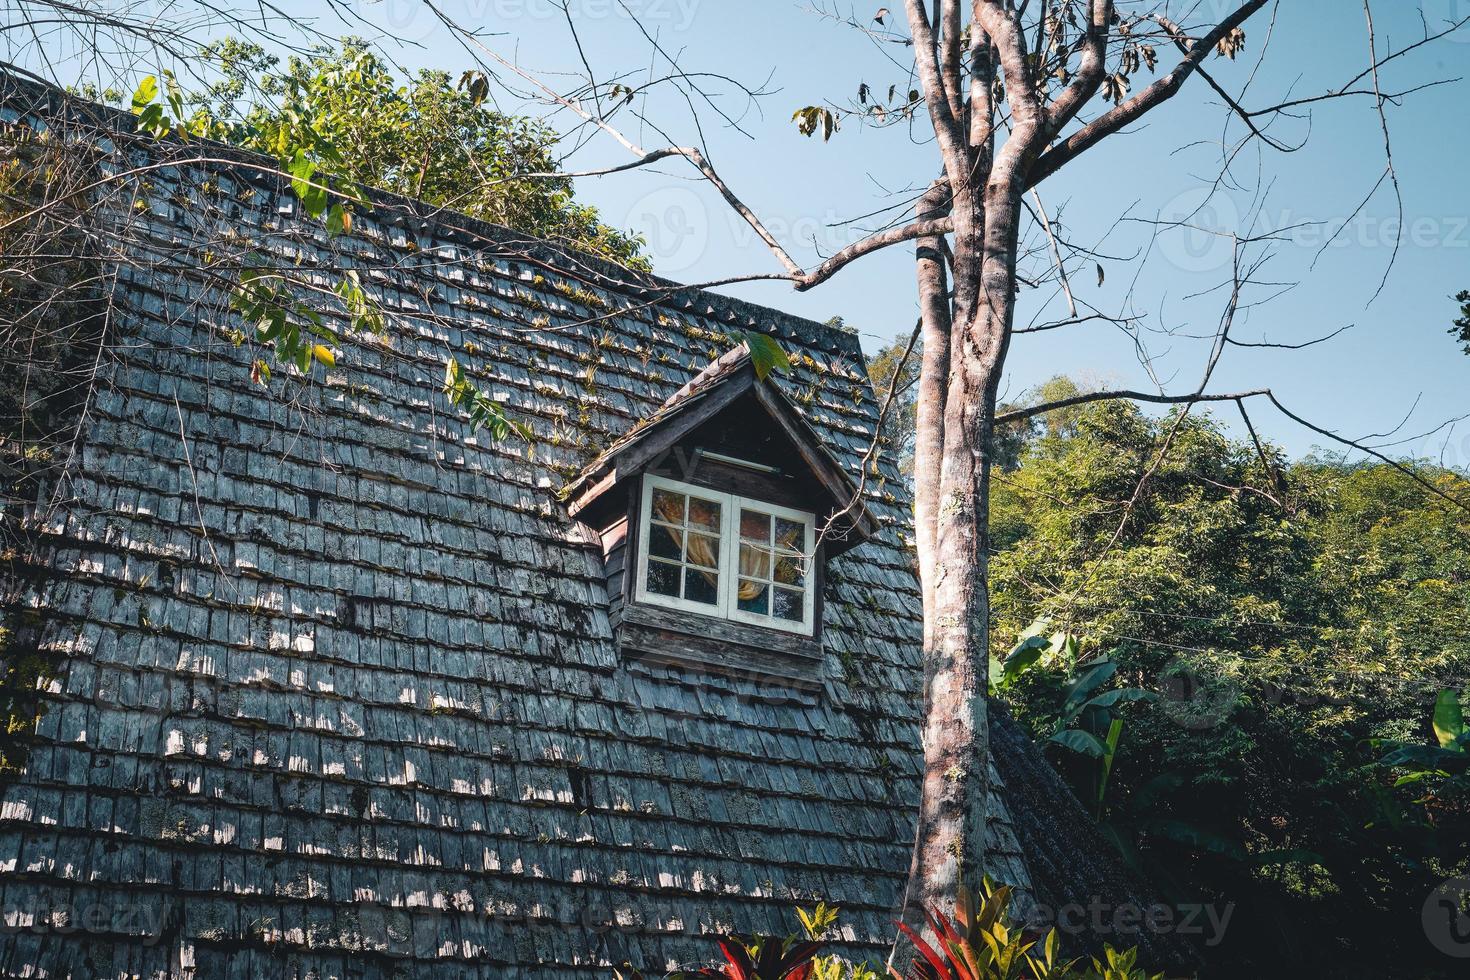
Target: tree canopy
{"points": [[1290, 619], [426, 138]]}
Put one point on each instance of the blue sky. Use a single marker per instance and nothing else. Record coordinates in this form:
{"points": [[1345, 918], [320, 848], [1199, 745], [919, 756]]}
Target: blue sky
{"points": [[1397, 356]]}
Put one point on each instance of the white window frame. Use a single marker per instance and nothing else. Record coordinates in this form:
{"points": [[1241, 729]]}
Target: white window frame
{"points": [[726, 606]]}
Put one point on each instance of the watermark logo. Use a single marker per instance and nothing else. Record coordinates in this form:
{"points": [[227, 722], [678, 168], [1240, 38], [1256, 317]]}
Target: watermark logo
{"points": [[1100, 918], [1446, 918], [1440, 15], [1193, 700], [675, 224], [1196, 228]]}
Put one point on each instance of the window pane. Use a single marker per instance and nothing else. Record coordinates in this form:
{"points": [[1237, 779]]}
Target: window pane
{"points": [[663, 578], [788, 605], [789, 571], [701, 586], [790, 534], [755, 525], [668, 506], [704, 550], [665, 543], [704, 513], [755, 562], [754, 597]]}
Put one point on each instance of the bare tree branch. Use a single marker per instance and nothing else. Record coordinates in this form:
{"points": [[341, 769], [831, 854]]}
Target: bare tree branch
{"points": [[1132, 109]]}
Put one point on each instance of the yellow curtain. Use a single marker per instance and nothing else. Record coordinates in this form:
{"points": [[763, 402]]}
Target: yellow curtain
{"points": [[700, 551], [755, 563]]}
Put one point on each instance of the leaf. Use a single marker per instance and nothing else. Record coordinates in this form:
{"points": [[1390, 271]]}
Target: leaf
{"points": [[881, 14], [1080, 741], [324, 354], [145, 93], [1198, 838], [1114, 697], [1022, 657], [765, 355], [1449, 720], [1231, 44], [1290, 855], [1115, 731], [1100, 275], [1092, 678], [808, 118], [339, 220]]}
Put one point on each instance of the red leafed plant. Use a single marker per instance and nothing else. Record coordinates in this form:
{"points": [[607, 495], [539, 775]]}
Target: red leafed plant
{"points": [[977, 944], [761, 958]]}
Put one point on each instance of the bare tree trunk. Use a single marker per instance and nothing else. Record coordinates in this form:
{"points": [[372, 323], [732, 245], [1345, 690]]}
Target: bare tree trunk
{"points": [[954, 808], [934, 317]]}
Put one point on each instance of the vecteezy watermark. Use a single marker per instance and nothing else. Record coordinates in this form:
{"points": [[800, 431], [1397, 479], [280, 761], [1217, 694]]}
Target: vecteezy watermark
{"points": [[1101, 919], [1440, 15], [39, 914], [1193, 700], [1446, 918], [1197, 230], [413, 21], [675, 223]]}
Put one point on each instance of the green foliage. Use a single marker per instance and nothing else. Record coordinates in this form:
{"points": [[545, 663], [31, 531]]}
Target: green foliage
{"points": [[481, 409], [766, 356], [1461, 327], [425, 138], [818, 924], [1441, 772], [337, 121], [1288, 616]]}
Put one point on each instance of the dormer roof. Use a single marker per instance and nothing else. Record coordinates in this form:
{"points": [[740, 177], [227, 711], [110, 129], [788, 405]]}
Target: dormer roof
{"points": [[729, 383]]}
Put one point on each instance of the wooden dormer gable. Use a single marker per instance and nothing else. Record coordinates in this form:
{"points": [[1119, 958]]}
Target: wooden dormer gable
{"points": [[718, 515], [723, 429]]}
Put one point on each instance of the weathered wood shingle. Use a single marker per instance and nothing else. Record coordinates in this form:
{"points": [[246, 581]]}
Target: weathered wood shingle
{"points": [[337, 691]]}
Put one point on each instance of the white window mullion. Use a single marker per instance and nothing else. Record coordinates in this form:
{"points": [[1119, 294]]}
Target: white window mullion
{"points": [[730, 556]]}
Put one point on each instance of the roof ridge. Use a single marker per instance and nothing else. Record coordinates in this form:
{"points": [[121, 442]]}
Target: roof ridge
{"points": [[447, 222]]}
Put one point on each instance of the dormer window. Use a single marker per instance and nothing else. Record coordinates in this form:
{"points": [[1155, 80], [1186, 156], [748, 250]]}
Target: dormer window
{"points": [[718, 515], [724, 555]]}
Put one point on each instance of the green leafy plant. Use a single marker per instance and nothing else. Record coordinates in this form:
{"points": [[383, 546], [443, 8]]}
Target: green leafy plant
{"points": [[980, 943], [1447, 760], [1088, 723], [271, 301], [481, 409], [1120, 965], [817, 924]]}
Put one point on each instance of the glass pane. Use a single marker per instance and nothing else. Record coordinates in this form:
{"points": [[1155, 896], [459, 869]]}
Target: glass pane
{"points": [[788, 605], [664, 543], [701, 586], [704, 513], [668, 506], [789, 571], [754, 597], [704, 550], [755, 525], [755, 562], [663, 578], [790, 534]]}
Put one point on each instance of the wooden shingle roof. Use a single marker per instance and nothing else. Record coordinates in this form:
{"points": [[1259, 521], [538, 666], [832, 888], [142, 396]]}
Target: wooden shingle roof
{"points": [[336, 690]]}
